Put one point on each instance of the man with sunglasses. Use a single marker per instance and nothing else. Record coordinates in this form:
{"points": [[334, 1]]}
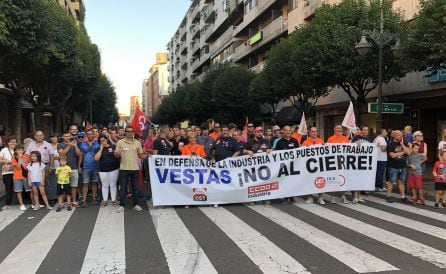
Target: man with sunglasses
{"points": [[216, 131], [250, 129], [130, 151]]}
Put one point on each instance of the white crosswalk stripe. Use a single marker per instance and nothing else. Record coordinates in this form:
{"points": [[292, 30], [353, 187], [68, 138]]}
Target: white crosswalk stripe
{"points": [[351, 256], [9, 216], [406, 245], [30, 252], [409, 223], [106, 250], [183, 254], [266, 255], [180, 242]]}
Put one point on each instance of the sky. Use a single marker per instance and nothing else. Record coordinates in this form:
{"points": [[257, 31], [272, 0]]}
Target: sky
{"points": [[128, 34]]}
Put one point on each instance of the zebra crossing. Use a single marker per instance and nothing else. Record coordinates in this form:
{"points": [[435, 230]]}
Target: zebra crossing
{"points": [[298, 238]]}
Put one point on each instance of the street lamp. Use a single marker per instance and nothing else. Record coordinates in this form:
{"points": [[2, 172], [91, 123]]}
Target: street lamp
{"points": [[364, 46]]}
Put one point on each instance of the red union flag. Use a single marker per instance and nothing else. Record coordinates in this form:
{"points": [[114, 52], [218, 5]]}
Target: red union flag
{"points": [[139, 121], [349, 119]]}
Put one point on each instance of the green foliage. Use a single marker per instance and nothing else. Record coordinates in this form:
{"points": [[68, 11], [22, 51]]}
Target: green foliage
{"points": [[425, 46], [104, 101], [326, 47]]}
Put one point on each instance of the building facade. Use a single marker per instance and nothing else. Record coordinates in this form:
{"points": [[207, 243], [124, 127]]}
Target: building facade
{"points": [[135, 101], [74, 8], [156, 87]]}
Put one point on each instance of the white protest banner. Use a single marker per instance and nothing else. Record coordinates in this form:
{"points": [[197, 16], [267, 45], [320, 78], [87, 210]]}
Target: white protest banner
{"points": [[191, 180]]}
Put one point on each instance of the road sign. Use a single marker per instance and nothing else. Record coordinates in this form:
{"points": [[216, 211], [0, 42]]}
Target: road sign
{"points": [[395, 108]]}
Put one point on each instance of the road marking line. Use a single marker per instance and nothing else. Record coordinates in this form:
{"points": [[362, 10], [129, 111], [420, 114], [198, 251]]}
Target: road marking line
{"points": [[406, 222], [415, 210], [31, 251], [8, 216], [106, 249], [265, 254], [355, 258], [183, 253], [419, 250]]}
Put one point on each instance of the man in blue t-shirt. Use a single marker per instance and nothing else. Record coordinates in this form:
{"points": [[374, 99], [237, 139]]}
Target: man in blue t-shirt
{"points": [[89, 169]]}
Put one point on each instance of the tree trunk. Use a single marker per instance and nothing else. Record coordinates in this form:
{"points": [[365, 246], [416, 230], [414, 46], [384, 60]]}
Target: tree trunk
{"points": [[38, 116], [18, 115], [58, 120]]}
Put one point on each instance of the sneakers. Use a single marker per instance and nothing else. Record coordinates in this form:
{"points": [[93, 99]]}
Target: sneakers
{"points": [[285, 201], [332, 201], [120, 209], [76, 205], [344, 200], [215, 206], [104, 203], [389, 199], [267, 202], [6, 207], [252, 203], [37, 207], [440, 205], [309, 200], [404, 199], [22, 207], [382, 189], [361, 200], [321, 201], [68, 207], [436, 205], [83, 204], [49, 207], [58, 209], [33, 207], [137, 208], [355, 201]]}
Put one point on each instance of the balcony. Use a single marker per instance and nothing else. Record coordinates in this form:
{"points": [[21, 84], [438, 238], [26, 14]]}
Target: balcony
{"points": [[257, 68], [183, 48], [222, 41], [310, 7], [207, 33], [267, 34], [253, 14], [194, 46], [194, 12], [199, 62], [209, 14]]}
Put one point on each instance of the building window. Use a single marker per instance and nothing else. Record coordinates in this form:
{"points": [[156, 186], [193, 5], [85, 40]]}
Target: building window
{"points": [[249, 5], [293, 4]]}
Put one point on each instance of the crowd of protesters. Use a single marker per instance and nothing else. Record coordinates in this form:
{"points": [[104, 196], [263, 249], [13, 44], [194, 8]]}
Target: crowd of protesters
{"points": [[111, 163]]}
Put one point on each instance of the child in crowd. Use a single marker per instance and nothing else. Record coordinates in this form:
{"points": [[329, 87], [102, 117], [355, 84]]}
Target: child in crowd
{"points": [[36, 179], [19, 163], [415, 177], [439, 172], [63, 173]]}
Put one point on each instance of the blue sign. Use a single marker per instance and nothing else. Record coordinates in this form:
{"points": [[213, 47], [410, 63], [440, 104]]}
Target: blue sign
{"points": [[438, 76]]}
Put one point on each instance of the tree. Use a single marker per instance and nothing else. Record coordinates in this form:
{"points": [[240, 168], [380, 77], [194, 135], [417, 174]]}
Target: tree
{"points": [[261, 91], [426, 45], [23, 48], [326, 47], [104, 102], [230, 92]]}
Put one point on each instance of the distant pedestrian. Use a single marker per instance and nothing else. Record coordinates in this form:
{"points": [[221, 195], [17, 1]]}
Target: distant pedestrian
{"points": [[6, 155], [439, 172]]}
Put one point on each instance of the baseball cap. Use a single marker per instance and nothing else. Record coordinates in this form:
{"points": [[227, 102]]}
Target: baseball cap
{"points": [[276, 127]]}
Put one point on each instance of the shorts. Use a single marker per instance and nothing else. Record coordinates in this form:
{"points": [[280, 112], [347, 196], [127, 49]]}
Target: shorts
{"points": [[415, 181], [21, 184], [63, 189], [397, 174], [74, 178], [440, 186], [36, 184], [90, 175]]}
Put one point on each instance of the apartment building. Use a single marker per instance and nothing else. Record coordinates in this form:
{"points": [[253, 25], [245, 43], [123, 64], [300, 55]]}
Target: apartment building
{"points": [[75, 8], [156, 87], [213, 31]]}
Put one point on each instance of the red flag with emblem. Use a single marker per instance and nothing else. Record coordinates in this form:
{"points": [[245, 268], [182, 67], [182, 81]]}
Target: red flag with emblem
{"points": [[139, 121]]}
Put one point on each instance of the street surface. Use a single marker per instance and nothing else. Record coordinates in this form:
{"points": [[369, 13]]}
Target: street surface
{"points": [[294, 238]]}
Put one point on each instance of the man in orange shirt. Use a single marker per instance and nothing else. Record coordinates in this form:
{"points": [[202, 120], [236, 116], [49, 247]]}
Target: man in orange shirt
{"points": [[193, 148], [338, 138], [297, 135], [311, 141], [216, 133]]}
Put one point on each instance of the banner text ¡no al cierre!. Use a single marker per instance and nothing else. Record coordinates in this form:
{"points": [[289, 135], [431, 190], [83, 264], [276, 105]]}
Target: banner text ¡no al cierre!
{"points": [[191, 180]]}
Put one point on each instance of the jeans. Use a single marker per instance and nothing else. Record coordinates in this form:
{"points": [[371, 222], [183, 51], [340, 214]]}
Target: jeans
{"points": [[124, 177], [380, 171], [9, 183]]}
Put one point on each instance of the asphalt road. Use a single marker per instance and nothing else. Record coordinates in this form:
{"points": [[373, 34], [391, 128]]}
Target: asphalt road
{"points": [[308, 238]]}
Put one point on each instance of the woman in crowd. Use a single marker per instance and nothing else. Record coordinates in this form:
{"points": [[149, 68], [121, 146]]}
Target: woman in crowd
{"points": [[6, 155], [108, 169]]}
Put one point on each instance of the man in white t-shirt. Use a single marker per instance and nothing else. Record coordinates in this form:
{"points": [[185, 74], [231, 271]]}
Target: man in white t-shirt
{"points": [[380, 142]]}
